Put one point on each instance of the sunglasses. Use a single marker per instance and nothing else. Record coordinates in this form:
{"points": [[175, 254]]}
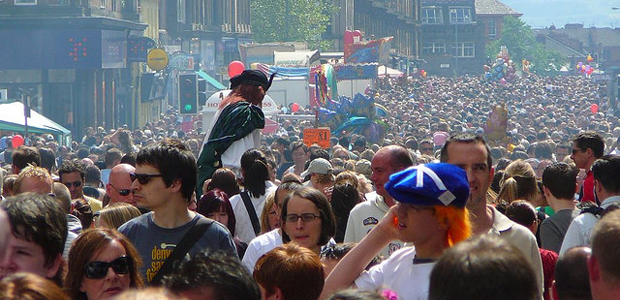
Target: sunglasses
{"points": [[75, 184], [99, 269], [142, 178], [123, 192]]}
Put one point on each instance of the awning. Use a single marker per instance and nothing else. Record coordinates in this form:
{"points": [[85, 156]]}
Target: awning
{"points": [[210, 80], [12, 119], [389, 72], [296, 58]]}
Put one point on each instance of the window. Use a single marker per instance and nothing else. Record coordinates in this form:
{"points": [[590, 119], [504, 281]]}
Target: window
{"points": [[492, 29], [25, 2], [181, 11], [434, 47], [432, 15], [460, 15], [466, 49]]}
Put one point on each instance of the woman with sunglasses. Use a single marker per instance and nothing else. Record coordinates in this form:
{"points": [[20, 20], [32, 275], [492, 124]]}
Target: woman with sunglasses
{"points": [[307, 219], [102, 264]]}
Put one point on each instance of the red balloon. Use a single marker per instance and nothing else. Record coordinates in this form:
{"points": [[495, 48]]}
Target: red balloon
{"points": [[17, 141], [235, 68], [295, 107], [594, 108]]}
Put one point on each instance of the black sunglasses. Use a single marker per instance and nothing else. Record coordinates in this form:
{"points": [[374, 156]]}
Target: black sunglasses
{"points": [[123, 192], [142, 178], [75, 184], [99, 269]]}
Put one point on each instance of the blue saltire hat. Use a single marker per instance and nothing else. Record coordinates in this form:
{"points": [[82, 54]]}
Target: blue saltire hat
{"points": [[430, 184]]}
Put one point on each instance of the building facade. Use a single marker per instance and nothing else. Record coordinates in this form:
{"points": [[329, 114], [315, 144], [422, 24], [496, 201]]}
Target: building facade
{"points": [[70, 58], [452, 40], [208, 30]]}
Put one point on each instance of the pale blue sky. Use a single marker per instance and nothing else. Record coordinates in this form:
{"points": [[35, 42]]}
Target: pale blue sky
{"points": [[543, 13]]}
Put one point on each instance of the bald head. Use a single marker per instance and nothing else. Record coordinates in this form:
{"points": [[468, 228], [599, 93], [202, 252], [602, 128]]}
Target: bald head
{"points": [[120, 183]]}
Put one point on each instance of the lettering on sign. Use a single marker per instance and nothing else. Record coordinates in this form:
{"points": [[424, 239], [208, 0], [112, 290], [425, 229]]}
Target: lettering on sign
{"points": [[319, 136]]}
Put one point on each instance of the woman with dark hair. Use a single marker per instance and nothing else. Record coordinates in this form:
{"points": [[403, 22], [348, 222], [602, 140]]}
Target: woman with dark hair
{"points": [[102, 264], [307, 219], [344, 198], [225, 180], [248, 205], [215, 205]]}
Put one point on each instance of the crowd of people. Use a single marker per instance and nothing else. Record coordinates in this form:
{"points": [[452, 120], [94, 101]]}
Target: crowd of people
{"points": [[434, 210]]}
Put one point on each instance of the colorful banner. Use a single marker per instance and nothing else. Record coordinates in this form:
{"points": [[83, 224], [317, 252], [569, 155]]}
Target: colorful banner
{"points": [[351, 72], [375, 51]]}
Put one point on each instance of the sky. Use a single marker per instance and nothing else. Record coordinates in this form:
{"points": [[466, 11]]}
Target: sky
{"points": [[544, 13]]}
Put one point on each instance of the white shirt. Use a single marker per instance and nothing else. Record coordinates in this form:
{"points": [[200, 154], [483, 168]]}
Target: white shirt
{"points": [[259, 246], [243, 228], [364, 217], [231, 158], [520, 237], [400, 275], [580, 230]]}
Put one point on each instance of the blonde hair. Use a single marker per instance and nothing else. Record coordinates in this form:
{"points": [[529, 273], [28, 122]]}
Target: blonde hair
{"points": [[518, 182], [270, 201], [118, 214], [347, 177], [32, 171]]}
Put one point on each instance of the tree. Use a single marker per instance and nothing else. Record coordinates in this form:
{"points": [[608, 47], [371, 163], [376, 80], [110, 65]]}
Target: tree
{"points": [[291, 21], [521, 44]]}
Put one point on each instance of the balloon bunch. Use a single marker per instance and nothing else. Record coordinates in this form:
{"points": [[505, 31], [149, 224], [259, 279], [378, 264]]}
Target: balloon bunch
{"points": [[584, 69], [347, 116], [423, 73], [502, 70]]}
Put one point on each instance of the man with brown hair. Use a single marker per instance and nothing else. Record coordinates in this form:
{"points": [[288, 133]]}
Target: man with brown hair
{"points": [[24, 156], [604, 265], [72, 174], [472, 154]]}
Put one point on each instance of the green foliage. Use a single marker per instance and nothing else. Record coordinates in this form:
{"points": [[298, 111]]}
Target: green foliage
{"points": [[291, 21], [520, 42]]}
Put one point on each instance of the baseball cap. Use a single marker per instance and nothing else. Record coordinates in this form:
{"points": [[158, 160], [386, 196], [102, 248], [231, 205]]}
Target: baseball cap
{"points": [[319, 166], [430, 184]]}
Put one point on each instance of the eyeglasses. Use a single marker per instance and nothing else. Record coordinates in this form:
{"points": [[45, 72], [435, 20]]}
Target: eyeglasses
{"points": [[427, 149], [344, 157], [307, 217], [75, 184], [577, 149], [99, 269], [142, 178], [123, 192]]}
